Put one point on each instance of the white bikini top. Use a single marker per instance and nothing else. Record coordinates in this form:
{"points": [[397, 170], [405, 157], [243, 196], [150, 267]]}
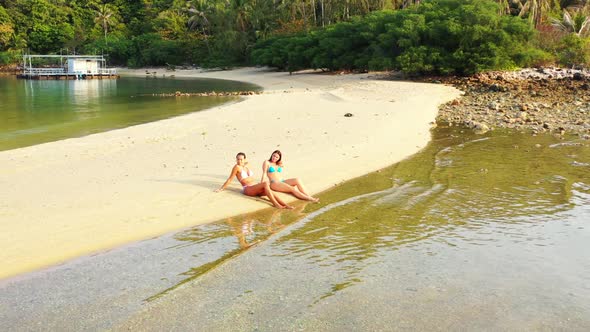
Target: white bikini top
{"points": [[246, 172]]}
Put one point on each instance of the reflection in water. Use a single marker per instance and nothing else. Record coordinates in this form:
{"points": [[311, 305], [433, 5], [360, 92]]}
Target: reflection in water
{"points": [[82, 90], [472, 233], [41, 96], [85, 92], [38, 111], [84, 96], [218, 240], [458, 192], [251, 230], [468, 224]]}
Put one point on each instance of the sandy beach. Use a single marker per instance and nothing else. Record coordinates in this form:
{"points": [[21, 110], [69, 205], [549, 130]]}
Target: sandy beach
{"points": [[78, 196]]}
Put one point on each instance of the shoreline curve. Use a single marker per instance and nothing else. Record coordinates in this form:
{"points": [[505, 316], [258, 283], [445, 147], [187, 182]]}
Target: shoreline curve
{"points": [[74, 197]]}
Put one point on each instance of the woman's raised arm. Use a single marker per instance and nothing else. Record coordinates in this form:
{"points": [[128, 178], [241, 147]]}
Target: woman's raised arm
{"points": [[234, 172], [264, 168]]}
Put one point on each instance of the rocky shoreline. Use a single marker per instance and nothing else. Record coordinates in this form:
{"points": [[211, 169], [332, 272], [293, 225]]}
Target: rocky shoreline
{"points": [[543, 100], [206, 94]]}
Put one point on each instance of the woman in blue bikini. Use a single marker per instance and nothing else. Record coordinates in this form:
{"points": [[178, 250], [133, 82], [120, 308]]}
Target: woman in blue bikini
{"points": [[249, 185], [273, 169]]}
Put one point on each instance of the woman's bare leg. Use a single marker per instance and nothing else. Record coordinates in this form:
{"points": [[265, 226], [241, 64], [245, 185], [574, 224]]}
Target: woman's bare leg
{"points": [[276, 201], [285, 188], [287, 206], [263, 189], [299, 184]]}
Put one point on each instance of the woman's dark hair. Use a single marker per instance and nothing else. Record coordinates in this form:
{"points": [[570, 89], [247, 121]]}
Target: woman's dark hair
{"points": [[241, 154], [280, 156]]}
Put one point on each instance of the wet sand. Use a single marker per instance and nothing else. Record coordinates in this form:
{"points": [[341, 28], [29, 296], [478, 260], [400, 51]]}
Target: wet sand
{"points": [[73, 197]]}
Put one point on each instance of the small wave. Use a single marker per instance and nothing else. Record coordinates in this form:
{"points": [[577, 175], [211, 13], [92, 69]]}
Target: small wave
{"points": [[28, 131], [558, 178], [436, 189], [581, 186], [446, 162], [445, 150], [479, 140], [558, 145], [579, 164], [397, 194]]}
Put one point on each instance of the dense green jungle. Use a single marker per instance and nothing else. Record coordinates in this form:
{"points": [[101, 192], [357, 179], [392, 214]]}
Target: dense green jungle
{"points": [[430, 36]]}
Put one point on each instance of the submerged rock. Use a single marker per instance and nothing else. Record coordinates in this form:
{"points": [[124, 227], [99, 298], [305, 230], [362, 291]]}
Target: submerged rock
{"points": [[478, 127]]}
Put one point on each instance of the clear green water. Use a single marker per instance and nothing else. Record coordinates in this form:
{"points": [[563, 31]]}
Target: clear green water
{"points": [[35, 111], [473, 232]]}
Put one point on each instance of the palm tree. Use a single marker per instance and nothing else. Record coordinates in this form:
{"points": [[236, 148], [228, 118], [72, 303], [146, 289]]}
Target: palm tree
{"points": [[241, 9], [504, 7], [104, 17], [578, 24], [408, 3], [536, 10], [198, 10], [572, 3]]}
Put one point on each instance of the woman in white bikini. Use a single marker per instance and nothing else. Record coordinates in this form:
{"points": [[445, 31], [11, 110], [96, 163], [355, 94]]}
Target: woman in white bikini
{"points": [[273, 169], [249, 185]]}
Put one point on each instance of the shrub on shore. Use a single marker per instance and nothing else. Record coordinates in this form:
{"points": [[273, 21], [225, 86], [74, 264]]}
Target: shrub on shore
{"points": [[417, 37], [437, 37], [574, 51], [10, 58]]}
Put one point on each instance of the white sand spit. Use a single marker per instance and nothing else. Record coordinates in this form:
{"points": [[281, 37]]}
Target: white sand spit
{"points": [[77, 196]]}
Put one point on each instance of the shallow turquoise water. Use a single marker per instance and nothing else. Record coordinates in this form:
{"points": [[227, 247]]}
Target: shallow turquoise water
{"points": [[38, 111]]}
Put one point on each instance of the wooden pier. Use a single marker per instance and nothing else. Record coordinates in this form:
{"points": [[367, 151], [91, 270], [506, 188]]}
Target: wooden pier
{"points": [[70, 67]]}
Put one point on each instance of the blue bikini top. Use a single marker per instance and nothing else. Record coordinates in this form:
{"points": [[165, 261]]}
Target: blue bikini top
{"points": [[271, 169]]}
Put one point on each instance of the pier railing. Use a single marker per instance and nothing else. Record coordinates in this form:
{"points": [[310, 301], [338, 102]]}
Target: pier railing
{"points": [[62, 71], [74, 67], [44, 71], [107, 71]]}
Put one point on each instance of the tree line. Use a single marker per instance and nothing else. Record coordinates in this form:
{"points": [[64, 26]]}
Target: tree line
{"points": [[344, 34]]}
